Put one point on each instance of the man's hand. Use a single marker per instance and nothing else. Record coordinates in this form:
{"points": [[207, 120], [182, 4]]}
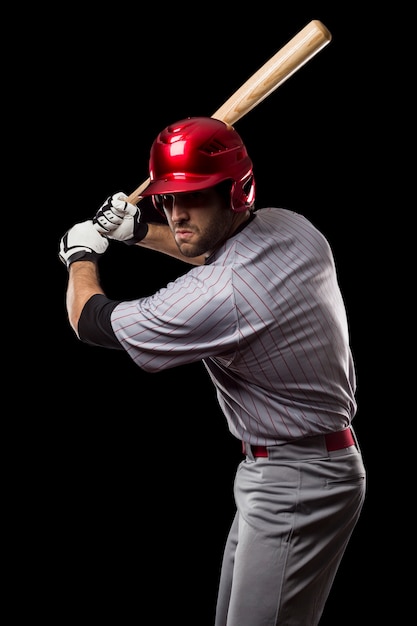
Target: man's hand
{"points": [[118, 219], [82, 242]]}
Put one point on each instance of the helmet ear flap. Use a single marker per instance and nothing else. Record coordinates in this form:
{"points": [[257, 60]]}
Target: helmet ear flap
{"points": [[157, 202], [242, 195]]}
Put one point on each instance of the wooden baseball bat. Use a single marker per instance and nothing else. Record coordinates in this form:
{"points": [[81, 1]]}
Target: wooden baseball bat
{"points": [[288, 60]]}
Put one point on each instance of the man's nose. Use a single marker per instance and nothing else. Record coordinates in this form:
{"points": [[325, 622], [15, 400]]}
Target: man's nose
{"points": [[178, 211]]}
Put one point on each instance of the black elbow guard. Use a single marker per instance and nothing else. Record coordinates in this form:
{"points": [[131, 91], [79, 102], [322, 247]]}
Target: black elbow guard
{"points": [[94, 325]]}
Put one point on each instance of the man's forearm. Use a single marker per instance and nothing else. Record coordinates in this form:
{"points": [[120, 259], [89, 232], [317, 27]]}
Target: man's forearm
{"points": [[160, 238], [83, 283]]}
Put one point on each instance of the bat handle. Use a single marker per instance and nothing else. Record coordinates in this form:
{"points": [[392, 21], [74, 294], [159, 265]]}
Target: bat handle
{"points": [[135, 197]]}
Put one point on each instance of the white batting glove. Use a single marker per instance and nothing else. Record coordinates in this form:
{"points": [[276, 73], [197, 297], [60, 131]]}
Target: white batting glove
{"points": [[82, 242], [118, 219]]}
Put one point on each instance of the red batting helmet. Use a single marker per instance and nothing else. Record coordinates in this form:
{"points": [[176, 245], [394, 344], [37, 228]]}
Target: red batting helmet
{"points": [[200, 152]]}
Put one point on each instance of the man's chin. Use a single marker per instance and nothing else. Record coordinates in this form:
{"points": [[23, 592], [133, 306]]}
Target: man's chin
{"points": [[188, 250]]}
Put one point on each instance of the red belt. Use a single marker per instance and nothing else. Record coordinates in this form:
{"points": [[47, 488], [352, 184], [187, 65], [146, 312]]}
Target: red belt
{"points": [[334, 441]]}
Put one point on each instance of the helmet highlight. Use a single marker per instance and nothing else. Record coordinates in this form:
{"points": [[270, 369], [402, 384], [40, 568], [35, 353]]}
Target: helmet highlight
{"points": [[200, 152]]}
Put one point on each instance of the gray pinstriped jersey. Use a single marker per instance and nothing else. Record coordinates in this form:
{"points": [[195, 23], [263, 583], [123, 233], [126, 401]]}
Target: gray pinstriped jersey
{"points": [[267, 318]]}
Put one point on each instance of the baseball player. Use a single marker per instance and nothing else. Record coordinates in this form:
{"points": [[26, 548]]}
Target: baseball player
{"points": [[259, 304]]}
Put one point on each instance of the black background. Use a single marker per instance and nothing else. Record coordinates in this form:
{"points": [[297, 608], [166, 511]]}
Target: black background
{"points": [[130, 488]]}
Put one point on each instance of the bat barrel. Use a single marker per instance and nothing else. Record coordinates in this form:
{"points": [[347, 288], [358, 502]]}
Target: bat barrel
{"points": [[289, 59]]}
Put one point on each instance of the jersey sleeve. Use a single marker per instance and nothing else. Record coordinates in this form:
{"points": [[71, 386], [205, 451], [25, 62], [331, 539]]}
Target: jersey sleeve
{"points": [[94, 326], [191, 319]]}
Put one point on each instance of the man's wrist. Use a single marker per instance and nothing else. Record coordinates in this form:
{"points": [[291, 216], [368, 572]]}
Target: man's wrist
{"points": [[140, 233]]}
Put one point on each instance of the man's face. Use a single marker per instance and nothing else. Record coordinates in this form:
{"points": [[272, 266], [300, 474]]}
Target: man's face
{"points": [[199, 220]]}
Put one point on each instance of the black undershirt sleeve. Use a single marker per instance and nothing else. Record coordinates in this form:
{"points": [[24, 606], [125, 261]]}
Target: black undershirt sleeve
{"points": [[94, 326]]}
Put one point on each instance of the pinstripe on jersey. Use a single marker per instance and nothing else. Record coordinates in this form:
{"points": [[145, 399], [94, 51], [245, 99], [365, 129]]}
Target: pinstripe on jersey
{"points": [[267, 318]]}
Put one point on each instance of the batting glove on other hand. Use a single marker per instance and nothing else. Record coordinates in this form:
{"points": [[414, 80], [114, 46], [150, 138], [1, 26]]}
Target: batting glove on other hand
{"points": [[118, 219], [82, 242]]}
